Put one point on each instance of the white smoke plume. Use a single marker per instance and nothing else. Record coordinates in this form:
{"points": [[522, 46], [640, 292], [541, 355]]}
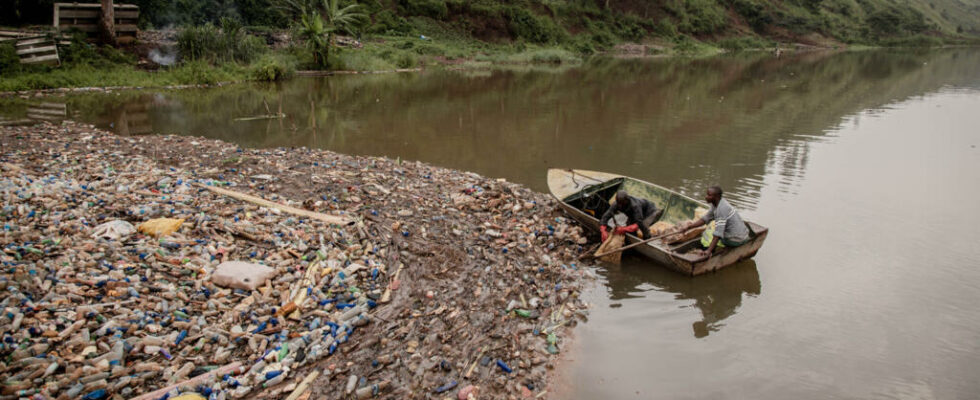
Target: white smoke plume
{"points": [[166, 57]]}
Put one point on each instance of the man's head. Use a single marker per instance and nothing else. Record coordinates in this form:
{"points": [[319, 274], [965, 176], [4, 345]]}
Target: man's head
{"points": [[713, 194], [622, 200]]}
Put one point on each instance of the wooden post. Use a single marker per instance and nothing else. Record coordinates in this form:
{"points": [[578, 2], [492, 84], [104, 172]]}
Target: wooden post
{"points": [[108, 22]]}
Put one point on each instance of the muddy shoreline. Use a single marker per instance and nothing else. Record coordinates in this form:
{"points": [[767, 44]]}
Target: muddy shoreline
{"points": [[488, 277]]}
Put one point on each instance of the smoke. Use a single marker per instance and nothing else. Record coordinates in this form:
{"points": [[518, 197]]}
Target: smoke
{"points": [[166, 58]]}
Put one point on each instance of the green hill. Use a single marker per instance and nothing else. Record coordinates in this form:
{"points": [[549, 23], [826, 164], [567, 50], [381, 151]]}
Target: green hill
{"points": [[607, 21], [596, 23]]}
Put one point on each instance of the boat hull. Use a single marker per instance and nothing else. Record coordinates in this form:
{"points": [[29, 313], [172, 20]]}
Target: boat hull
{"points": [[665, 255]]}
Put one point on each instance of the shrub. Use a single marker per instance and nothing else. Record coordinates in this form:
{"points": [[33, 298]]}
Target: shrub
{"points": [[666, 28], [893, 21], [435, 9], [271, 68], [754, 14], [581, 44], [685, 45], [552, 56], [526, 25], [406, 60], [9, 61], [227, 43], [387, 22], [705, 16], [628, 27], [743, 43]]}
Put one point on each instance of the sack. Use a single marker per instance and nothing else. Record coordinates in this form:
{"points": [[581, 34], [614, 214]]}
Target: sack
{"points": [[160, 226]]}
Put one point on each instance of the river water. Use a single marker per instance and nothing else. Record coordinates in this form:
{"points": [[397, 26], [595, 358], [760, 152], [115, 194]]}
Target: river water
{"points": [[864, 165]]}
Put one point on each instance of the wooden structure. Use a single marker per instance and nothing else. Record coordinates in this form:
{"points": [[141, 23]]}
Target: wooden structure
{"points": [[585, 196], [34, 47], [85, 18], [37, 50]]}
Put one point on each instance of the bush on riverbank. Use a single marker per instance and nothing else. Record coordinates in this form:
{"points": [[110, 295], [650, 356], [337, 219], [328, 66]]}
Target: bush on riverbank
{"points": [[273, 68], [226, 43], [744, 43]]}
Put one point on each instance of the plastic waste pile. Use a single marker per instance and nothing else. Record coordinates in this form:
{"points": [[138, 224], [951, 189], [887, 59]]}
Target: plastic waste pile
{"points": [[124, 276]]}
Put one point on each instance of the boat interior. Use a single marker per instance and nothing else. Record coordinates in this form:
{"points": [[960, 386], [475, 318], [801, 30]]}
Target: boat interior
{"points": [[595, 199]]}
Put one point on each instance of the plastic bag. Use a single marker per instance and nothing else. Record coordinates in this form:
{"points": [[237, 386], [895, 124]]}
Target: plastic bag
{"points": [[158, 227]]}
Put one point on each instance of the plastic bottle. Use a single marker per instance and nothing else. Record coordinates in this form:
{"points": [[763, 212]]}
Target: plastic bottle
{"points": [[351, 384], [446, 387], [503, 366]]}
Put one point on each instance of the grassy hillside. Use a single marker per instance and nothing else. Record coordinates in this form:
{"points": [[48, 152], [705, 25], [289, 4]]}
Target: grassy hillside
{"points": [[410, 33], [599, 23]]}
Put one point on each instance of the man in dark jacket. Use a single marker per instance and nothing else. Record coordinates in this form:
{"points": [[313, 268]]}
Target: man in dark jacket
{"points": [[640, 214]]}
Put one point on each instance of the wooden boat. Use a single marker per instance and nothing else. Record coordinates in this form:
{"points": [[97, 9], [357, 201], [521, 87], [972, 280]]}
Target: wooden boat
{"points": [[585, 195]]}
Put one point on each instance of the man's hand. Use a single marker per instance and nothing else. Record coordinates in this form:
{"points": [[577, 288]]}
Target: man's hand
{"points": [[605, 235], [627, 229]]}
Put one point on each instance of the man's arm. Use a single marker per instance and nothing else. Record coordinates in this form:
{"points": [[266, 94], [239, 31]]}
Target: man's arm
{"points": [[695, 224], [711, 247], [607, 215]]}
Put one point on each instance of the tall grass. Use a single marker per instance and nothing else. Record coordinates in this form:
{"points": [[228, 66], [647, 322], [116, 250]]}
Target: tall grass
{"points": [[229, 42]]}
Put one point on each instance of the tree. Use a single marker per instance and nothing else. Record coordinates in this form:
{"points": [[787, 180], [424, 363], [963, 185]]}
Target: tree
{"points": [[108, 22], [320, 19], [314, 33]]}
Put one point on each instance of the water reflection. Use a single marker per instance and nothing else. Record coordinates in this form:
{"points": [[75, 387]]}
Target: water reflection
{"points": [[717, 295], [682, 123]]}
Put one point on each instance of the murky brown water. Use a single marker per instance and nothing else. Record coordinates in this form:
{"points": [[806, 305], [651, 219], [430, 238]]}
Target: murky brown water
{"points": [[864, 165]]}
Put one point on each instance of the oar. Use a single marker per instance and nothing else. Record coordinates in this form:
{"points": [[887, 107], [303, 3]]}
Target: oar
{"points": [[605, 253]]}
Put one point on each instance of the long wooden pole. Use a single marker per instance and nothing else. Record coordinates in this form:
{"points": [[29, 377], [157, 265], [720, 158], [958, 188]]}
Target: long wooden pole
{"points": [[637, 244], [330, 219]]}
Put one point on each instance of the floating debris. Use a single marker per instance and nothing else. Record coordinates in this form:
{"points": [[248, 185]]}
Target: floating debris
{"points": [[250, 291]]}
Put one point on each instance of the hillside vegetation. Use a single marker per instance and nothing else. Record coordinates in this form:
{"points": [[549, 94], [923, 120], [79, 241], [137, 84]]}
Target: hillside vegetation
{"points": [[244, 37], [600, 22]]}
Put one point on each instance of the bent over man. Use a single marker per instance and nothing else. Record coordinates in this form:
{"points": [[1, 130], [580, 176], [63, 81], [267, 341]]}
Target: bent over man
{"points": [[640, 214]]}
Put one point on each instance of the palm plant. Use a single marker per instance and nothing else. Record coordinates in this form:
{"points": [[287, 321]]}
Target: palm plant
{"points": [[320, 19], [313, 31]]}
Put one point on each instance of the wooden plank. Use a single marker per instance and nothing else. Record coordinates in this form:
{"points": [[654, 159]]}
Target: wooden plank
{"points": [[57, 106], [79, 13], [28, 41], [35, 50], [95, 27], [120, 14], [16, 34], [97, 6], [42, 59]]}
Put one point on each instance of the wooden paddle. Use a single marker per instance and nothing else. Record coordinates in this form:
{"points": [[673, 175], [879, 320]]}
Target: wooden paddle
{"points": [[638, 243]]}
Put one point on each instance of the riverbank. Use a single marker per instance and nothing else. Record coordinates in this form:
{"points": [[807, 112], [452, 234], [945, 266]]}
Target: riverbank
{"points": [[443, 282], [93, 68]]}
